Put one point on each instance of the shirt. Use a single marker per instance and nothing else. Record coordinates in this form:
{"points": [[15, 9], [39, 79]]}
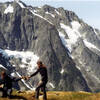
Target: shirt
{"points": [[43, 73]]}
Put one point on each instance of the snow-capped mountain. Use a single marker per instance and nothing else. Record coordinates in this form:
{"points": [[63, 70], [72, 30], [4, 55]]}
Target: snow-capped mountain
{"points": [[68, 46]]}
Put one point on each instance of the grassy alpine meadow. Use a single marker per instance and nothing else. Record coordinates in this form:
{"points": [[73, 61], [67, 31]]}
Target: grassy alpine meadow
{"points": [[54, 95]]}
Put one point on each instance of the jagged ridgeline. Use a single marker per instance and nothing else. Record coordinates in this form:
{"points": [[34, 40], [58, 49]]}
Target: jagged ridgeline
{"points": [[68, 47]]}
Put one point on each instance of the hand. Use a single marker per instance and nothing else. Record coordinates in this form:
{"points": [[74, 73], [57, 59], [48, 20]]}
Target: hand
{"points": [[23, 77], [1, 86], [28, 77]]}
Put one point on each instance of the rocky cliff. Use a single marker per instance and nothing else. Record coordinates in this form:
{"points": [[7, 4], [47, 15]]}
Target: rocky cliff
{"points": [[67, 46]]}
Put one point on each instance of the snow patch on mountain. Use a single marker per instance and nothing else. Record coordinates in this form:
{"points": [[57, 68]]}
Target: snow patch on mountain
{"points": [[64, 41], [95, 77], [3, 53], [62, 71], [57, 12], [75, 25], [2, 67], [90, 45], [12, 74], [41, 17], [97, 34], [28, 58], [21, 4], [40, 7], [78, 67], [51, 84], [35, 11], [9, 9], [50, 14], [22, 66], [72, 33]]}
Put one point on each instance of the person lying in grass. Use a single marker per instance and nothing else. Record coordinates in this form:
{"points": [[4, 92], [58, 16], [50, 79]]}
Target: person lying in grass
{"points": [[7, 81]]}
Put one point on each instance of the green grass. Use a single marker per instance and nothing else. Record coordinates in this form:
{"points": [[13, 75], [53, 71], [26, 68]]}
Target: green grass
{"points": [[55, 95], [69, 96]]}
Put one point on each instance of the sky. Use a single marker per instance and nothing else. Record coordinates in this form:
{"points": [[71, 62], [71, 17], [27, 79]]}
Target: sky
{"points": [[87, 10]]}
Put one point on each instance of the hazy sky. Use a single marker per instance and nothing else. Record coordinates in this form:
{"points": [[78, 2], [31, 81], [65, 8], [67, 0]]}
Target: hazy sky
{"points": [[88, 10]]}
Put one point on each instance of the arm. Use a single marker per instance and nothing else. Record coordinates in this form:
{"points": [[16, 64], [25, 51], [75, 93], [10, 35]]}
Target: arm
{"points": [[34, 73], [1, 82], [15, 79]]}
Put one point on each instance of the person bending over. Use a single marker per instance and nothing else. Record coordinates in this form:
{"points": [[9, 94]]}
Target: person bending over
{"points": [[7, 82], [44, 79]]}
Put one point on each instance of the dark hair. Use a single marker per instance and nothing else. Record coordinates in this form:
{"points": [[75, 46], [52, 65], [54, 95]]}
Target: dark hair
{"points": [[41, 64]]}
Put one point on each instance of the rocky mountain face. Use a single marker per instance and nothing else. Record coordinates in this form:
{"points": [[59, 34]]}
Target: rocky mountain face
{"points": [[69, 47]]}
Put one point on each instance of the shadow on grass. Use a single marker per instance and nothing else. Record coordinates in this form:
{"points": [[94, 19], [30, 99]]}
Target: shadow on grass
{"points": [[17, 97]]}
